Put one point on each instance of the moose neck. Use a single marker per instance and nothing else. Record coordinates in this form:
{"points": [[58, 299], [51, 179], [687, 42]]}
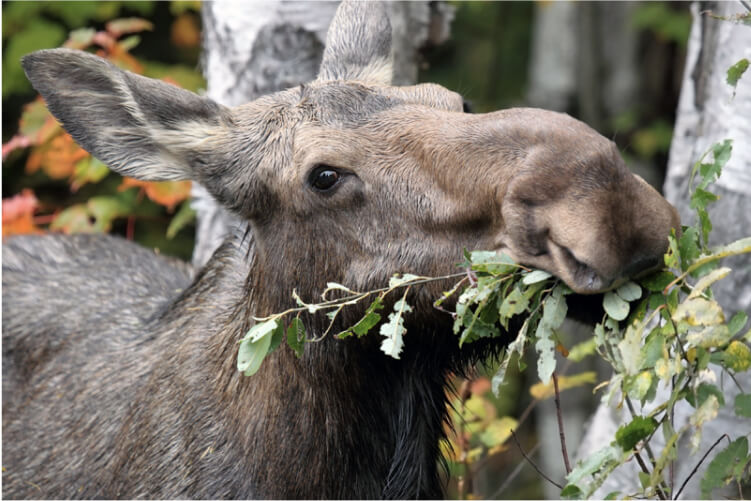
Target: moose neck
{"points": [[344, 420]]}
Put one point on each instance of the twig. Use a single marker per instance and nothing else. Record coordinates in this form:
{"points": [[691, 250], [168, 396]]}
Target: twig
{"points": [[513, 435], [644, 468], [560, 424], [693, 472]]}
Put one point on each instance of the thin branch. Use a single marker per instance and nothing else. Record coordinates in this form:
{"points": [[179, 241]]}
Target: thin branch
{"points": [[693, 472], [529, 460], [645, 469], [515, 473], [560, 424]]}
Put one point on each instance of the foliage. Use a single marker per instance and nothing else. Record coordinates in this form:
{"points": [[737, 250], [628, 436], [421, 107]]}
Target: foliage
{"points": [[97, 199]]}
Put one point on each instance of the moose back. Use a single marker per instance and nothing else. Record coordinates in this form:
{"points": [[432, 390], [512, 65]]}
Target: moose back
{"points": [[119, 375]]}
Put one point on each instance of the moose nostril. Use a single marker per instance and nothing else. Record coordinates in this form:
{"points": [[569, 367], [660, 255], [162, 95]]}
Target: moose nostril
{"points": [[640, 265]]}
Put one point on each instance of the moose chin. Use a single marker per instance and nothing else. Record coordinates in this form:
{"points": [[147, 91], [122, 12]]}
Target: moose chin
{"points": [[119, 377]]}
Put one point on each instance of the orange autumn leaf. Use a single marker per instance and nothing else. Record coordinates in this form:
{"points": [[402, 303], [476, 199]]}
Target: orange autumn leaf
{"points": [[166, 193], [18, 214], [58, 158]]}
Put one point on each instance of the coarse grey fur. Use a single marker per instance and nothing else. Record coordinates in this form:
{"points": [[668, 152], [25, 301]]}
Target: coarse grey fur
{"points": [[119, 371]]}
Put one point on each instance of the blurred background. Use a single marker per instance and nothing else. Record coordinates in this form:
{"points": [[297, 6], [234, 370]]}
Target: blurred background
{"points": [[615, 65]]}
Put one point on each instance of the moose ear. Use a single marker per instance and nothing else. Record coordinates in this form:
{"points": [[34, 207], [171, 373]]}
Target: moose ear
{"points": [[358, 44], [139, 127]]}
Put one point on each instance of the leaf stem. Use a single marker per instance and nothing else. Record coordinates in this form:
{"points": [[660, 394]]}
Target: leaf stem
{"points": [[529, 460], [560, 424]]}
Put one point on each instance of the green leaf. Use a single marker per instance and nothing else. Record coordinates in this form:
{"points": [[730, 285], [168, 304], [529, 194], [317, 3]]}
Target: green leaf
{"points": [[722, 468], [276, 337], [261, 329], [535, 276], [369, 320], [394, 329], [689, 248], [582, 350], [296, 336], [629, 435], [737, 322], [743, 405], [571, 491], [184, 216], [251, 353], [614, 306], [105, 210], [37, 34], [74, 219], [629, 291], [513, 304], [702, 393], [736, 71], [656, 282]]}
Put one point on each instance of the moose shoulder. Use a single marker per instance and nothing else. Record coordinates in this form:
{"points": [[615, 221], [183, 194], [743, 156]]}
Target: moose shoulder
{"points": [[119, 377]]}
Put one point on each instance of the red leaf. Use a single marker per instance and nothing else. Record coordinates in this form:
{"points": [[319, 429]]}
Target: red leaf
{"points": [[120, 27], [18, 214]]}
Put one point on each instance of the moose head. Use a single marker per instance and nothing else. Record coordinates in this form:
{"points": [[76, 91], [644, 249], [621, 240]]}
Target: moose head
{"points": [[357, 179]]}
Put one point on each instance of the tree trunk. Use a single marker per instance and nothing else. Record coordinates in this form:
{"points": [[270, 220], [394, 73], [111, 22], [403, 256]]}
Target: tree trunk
{"points": [[256, 48], [707, 113]]}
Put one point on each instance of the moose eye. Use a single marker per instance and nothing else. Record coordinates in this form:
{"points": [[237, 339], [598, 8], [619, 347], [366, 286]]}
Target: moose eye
{"points": [[324, 178]]}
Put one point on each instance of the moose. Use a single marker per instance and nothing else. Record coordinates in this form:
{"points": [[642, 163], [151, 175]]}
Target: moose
{"points": [[119, 374]]}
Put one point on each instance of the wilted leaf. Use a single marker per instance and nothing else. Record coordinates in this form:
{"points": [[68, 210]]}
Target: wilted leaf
{"points": [[712, 336], [394, 330], [737, 356], [634, 432], [541, 391], [368, 321], [699, 311], [614, 306], [708, 280]]}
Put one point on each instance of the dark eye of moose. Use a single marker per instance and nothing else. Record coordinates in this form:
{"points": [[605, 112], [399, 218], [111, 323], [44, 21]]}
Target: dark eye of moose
{"points": [[323, 178]]}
